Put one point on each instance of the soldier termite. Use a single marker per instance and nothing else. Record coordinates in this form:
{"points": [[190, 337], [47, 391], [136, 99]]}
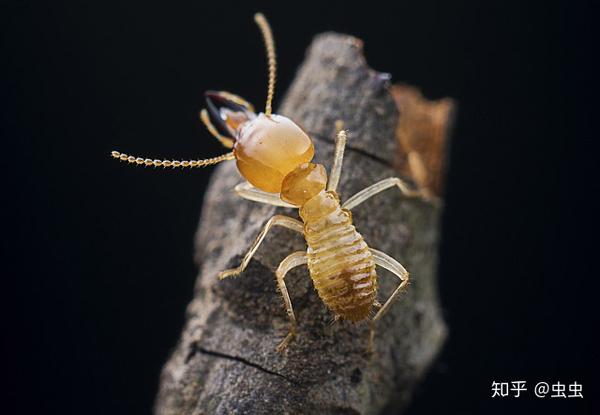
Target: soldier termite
{"points": [[274, 155]]}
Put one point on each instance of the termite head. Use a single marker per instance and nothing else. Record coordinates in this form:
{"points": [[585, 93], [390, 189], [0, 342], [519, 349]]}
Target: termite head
{"points": [[266, 147]]}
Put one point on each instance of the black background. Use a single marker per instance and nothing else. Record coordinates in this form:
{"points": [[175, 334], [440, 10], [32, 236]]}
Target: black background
{"points": [[99, 257]]}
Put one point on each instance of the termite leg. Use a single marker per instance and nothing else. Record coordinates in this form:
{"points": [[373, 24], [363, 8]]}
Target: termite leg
{"points": [[370, 347], [226, 141], [389, 263], [340, 145], [291, 261], [385, 261], [379, 187], [249, 192], [279, 220]]}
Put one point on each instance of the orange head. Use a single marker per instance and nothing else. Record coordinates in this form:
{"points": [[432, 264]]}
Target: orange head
{"points": [[266, 147], [270, 147]]}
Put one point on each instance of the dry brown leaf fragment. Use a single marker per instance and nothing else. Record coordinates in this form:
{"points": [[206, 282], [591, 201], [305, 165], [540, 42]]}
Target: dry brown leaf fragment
{"points": [[422, 133]]}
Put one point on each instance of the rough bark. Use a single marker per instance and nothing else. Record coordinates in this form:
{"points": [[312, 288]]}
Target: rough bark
{"points": [[225, 361]]}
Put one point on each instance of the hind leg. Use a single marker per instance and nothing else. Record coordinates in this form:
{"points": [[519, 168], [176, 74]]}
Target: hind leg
{"points": [[291, 261], [385, 261]]}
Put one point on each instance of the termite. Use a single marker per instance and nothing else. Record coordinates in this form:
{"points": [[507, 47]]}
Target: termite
{"points": [[274, 155]]}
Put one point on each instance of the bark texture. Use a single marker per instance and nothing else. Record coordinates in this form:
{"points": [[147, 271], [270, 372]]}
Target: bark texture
{"points": [[225, 361]]}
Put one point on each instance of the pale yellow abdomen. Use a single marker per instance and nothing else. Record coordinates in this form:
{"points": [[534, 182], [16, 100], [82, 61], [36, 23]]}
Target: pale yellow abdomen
{"points": [[340, 262]]}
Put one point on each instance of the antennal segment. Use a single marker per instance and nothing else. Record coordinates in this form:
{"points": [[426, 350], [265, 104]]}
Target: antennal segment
{"points": [[171, 163], [265, 29]]}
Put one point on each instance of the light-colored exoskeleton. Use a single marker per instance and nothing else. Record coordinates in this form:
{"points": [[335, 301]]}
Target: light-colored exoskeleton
{"points": [[274, 155]]}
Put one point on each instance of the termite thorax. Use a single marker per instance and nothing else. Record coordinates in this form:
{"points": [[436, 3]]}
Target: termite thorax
{"points": [[303, 183]]}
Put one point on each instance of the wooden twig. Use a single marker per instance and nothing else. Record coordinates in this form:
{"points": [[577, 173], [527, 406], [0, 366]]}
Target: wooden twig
{"points": [[225, 361]]}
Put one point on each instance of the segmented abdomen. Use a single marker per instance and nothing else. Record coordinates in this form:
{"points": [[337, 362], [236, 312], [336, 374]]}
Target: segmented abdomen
{"points": [[341, 265]]}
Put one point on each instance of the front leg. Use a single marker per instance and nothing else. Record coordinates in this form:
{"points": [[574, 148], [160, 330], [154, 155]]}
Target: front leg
{"points": [[279, 220]]}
